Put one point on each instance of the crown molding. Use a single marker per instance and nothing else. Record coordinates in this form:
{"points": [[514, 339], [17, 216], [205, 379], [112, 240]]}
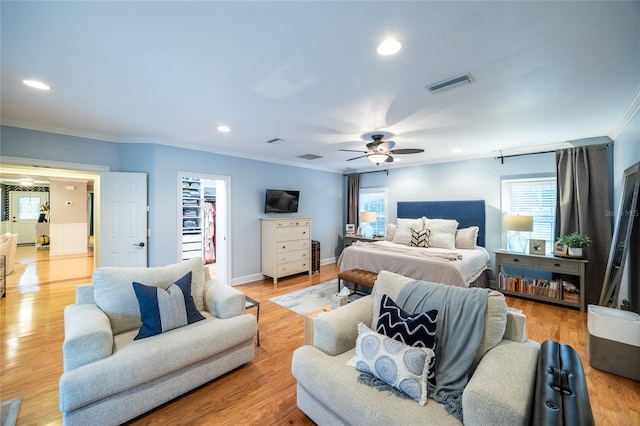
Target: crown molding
{"points": [[630, 111]]}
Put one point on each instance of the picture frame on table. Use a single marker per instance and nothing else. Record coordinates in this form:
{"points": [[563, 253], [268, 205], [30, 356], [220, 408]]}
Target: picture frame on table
{"points": [[350, 228], [560, 249], [537, 247]]}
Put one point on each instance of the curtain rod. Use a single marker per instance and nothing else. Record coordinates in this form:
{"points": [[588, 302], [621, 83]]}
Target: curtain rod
{"points": [[502, 157], [364, 173]]}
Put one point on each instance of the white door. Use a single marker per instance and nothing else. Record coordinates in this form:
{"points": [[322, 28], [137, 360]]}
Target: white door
{"points": [[122, 225], [223, 264], [24, 210]]}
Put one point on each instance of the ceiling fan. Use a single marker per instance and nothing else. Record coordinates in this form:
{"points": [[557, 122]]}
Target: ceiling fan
{"points": [[379, 151]]}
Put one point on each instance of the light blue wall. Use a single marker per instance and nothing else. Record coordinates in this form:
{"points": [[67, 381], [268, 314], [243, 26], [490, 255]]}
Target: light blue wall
{"points": [[320, 192], [461, 180], [626, 152]]}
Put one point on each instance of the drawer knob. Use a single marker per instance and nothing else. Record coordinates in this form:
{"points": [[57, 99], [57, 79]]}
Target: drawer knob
{"points": [[557, 265], [516, 260], [284, 247]]}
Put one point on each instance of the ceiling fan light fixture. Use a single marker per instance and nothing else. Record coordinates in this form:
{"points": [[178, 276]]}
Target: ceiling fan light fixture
{"points": [[378, 158], [26, 182], [389, 47]]}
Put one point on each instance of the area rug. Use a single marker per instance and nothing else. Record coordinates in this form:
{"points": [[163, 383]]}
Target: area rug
{"points": [[311, 298], [9, 412]]}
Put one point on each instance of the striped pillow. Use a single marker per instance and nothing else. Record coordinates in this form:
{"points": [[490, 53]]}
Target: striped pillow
{"points": [[163, 310]]}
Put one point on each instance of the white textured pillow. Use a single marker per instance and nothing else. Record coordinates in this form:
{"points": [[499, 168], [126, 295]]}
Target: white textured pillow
{"points": [[403, 230], [495, 323], [402, 366], [466, 238], [442, 232], [390, 232]]}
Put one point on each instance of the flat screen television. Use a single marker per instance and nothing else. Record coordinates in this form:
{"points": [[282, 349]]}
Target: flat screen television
{"points": [[281, 201]]}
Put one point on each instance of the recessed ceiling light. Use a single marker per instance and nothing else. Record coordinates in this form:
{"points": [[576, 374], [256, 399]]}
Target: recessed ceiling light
{"points": [[36, 84], [224, 129], [389, 47], [456, 150]]}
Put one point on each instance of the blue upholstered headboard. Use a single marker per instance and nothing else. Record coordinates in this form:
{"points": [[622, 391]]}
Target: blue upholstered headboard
{"points": [[467, 213]]}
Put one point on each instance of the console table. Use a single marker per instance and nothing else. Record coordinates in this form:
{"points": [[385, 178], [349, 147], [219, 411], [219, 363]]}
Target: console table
{"points": [[531, 284]]}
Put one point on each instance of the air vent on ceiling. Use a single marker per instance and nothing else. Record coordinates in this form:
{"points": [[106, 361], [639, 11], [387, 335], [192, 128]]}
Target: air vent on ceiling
{"points": [[309, 156], [450, 83], [275, 140]]}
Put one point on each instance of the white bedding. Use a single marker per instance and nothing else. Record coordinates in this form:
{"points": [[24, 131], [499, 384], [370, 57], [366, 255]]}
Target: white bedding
{"points": [[459, 267]]}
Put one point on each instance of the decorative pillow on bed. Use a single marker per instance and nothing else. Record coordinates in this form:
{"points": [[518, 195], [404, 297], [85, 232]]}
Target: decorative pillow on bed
{"points": [[418, 330], [419, 238], [467, 238], [401, 366], [390, 232], [443, 232], [163, 310], [403, 230]]}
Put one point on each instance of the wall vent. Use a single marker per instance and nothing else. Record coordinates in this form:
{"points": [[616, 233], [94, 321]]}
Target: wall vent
{"points": [[309, 156], [450, 83]]}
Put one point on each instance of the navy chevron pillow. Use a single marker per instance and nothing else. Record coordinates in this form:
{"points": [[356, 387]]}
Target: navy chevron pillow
{"points": [[417, 330], [163, 310]]}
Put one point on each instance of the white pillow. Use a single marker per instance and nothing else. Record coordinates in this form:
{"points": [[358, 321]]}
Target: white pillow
{"points": [[466, 238], [442, 232], [403, 230], [404, 367], [390, 232]]}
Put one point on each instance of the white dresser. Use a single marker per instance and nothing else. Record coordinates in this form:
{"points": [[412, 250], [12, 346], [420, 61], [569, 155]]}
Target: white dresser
{"points": [[286, 247]]}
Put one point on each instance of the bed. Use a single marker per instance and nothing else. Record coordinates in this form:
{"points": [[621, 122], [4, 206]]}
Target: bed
{"points": [[465, 264]]}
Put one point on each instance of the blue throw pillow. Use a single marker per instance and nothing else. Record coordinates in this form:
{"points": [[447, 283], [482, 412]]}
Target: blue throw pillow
{"points": [[418, 330], [163, 310]]}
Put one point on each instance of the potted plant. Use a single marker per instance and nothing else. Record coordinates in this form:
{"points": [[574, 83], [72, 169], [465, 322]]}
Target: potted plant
{"points": [[575, 242]]}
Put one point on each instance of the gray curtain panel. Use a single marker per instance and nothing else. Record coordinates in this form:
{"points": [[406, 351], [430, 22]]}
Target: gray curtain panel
{"points": [[583, 201], [353, 198]]}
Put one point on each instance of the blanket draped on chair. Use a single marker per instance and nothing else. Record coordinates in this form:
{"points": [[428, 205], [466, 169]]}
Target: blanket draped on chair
{"points": [[458, 334]]}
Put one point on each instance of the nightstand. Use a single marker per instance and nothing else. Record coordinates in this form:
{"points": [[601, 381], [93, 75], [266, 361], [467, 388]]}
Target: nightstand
{"points": [[350, 239]]}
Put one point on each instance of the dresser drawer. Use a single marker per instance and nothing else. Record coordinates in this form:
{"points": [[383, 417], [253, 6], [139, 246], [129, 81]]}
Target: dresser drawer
{"points": [[559, 265], [292, 222], [292, 245], [293, 267], [292, 233], [509, 259], [291, 256]]}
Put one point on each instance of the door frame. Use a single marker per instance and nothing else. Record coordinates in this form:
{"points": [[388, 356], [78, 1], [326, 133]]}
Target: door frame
{"points": [[226, 243]]}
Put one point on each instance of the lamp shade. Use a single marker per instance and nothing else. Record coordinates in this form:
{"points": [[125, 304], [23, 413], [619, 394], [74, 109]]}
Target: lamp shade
{"points": [[518, 223], [368, 217], [378, 158]]}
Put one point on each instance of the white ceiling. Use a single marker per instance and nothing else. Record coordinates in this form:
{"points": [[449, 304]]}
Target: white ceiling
{"points": [[308, 73]]}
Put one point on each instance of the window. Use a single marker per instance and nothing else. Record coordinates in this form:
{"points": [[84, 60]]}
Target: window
{"points": [[533, 197], [374, 200], [28, 208]]}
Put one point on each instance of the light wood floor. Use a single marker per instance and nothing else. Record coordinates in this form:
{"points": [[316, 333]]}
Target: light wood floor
{"points": [[261, 392]]}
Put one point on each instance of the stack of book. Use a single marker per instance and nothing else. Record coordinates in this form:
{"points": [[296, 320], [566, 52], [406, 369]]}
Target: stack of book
{"points": [[536, 286]]}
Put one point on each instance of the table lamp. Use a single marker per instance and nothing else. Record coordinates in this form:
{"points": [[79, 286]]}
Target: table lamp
{"points": [[367, 217], [517, 223]]}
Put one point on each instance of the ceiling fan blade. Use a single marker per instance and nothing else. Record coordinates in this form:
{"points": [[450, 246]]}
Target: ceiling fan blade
{"points": [[355, 158], [353, 150], [407, 151]]}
